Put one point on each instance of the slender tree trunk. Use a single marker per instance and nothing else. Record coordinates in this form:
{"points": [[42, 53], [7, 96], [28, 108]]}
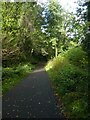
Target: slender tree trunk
{"points": [[56, 51]]}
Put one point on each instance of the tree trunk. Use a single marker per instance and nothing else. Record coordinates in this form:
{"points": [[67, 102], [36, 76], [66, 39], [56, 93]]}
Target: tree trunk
{"points": [[56, 51]]}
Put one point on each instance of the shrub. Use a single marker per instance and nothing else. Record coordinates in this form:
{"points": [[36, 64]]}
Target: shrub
{"points": [[7, 72], [11, 76], [77, 57], [69, 77]]}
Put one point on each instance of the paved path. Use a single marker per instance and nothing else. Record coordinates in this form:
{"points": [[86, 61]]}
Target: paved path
{"points": [[31, 98]]}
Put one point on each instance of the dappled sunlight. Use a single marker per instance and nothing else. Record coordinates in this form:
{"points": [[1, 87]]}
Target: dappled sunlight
{"points": [[69, 77], [56, 63], [38, 70], [35, 33], [12, 75], [49, 65]]}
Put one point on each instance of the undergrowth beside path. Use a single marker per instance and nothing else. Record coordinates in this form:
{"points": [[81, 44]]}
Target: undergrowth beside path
{"points": [[69, 77], [13, 75]]}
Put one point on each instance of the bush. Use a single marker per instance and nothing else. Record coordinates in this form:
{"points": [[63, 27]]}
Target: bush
{"points": [[77, 57], [69, 77], [7, 72], [11, 76], [19, 70]]}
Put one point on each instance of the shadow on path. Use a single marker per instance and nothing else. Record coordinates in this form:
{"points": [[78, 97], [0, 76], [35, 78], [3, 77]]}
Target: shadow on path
{"points": [[31, 98]]}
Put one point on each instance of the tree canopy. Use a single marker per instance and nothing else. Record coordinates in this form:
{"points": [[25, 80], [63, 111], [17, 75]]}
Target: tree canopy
{"points": [[31, 30], [33, 33]]}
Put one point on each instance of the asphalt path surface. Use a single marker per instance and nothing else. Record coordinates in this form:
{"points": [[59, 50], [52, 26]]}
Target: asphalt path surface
{"points": [[31, 98]]}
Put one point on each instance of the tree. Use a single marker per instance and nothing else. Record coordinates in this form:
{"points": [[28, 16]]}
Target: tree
{"points": [[83, 15], [21, 31], [10, 27], [54, 24]]}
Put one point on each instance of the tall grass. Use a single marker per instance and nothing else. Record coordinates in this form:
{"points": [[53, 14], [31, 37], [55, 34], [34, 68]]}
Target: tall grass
{"points": [[69, 76]]}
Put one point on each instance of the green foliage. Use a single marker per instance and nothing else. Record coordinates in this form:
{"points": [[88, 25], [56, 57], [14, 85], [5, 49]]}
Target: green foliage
{"points": [[77, 57], [70, 79], [53, 25], [31, 33], [12, 75], [20, 31], [28, 28]]}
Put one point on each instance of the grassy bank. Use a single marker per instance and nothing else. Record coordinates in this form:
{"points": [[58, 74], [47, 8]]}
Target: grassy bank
{"points": [[68, 73], [12, 75]]}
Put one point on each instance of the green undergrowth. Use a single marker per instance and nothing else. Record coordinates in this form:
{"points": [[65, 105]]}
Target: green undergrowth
{"points": [[69, 76], [12, 75]]}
